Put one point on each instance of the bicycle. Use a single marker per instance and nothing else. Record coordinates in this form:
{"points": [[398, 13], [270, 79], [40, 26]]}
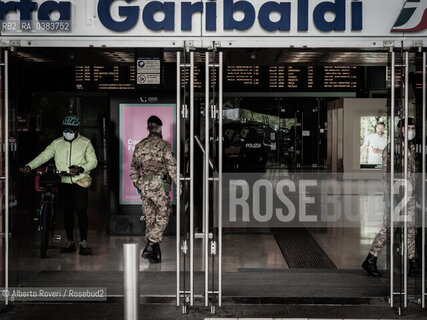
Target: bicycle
{"points": [[47, 181]]}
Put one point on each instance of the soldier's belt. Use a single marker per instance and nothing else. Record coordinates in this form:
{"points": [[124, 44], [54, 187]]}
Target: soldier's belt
{"points": [[152, 177], [166, 183]]}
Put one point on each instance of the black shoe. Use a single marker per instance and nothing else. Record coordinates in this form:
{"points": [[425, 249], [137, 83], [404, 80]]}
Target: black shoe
{"points": [[157, 254], [148, 250], [412, 268], [152, 252], [69, 247], [84, 249], [370, 265]]}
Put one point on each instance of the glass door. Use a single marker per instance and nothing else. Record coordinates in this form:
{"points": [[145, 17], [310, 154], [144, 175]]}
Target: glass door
{"points": [[199, 126], [4, 173], [296, 222], [423, 72], [185, 172], [407, 178], [417, 100], [213, 170]]}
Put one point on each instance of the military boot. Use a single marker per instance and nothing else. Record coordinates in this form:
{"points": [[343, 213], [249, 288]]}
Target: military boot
{"points": [[370, 265], [148, 250], [157, 254], [152, 252]]}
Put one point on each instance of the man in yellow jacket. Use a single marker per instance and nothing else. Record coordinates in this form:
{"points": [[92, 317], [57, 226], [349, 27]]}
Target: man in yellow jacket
{"points": [[75, 155]]}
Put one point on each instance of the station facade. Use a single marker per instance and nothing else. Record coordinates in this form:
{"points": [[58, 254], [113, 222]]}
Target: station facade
{"points": [[312, 79]]}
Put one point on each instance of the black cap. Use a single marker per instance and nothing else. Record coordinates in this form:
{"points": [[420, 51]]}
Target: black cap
{"points": [[155, 120], [401, 122]]}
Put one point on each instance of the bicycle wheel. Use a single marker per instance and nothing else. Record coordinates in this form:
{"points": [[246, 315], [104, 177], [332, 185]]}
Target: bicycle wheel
{"points": [[45, 228]]}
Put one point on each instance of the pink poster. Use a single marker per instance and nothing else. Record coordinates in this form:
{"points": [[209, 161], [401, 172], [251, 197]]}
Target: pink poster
{"points": [[133, 128]]}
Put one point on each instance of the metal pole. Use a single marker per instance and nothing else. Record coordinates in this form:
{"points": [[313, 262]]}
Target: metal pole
{"points": [[192, 178], [206, 178], [393, 105], [178, 175], [423, 197], [204, 207], [405, 223], [131, 280], [6, 173], [220, 115]]}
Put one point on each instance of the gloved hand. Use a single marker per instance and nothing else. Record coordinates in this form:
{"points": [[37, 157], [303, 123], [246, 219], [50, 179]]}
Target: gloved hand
{"points": [[76, 170], [138, 192]]}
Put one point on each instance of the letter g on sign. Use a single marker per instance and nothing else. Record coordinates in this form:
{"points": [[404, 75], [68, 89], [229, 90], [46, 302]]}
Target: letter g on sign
{"points": [[131, 13]]}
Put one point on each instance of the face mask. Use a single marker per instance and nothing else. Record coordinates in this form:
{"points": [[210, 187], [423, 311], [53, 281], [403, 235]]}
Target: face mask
{"points": [[69, 136], [411, 134]]}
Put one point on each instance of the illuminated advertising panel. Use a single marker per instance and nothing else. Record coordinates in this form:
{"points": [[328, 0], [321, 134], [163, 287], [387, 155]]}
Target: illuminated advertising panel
{"points": [[133, 128]]}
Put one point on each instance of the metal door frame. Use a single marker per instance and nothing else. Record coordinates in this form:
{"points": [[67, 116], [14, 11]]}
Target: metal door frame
{"points": [[216, 178], [182, 246], [423, 189], [5, 145], [405, 66], [403, 256], [392, 180], [210, 245]]}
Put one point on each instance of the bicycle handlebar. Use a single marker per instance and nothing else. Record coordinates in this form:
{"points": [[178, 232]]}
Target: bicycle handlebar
{"points": [[56, 172], [64, 174]]}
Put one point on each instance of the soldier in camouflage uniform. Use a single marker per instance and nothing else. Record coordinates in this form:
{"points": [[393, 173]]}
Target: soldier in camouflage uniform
{"points": [[380, 240], [153, 166]]}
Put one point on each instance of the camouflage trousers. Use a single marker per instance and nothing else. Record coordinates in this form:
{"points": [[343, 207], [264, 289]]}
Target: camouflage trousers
{"points": [[381, 237], [156, 207]]}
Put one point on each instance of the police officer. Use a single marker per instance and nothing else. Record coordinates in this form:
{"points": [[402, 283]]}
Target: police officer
{"points": [[153, 166], [253, 155], [370, 263]]}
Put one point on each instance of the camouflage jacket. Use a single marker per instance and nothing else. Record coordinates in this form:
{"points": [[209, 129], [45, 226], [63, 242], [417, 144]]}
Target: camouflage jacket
{"points": [[398, 164], [152, 156]]}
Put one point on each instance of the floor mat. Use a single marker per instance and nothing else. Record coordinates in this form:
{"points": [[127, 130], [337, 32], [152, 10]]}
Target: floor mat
{"points": [[300, 250], [286, 283]]}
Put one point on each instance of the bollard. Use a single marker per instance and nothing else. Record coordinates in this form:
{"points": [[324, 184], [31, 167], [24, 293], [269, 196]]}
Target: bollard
{"points": [[131, 280]]}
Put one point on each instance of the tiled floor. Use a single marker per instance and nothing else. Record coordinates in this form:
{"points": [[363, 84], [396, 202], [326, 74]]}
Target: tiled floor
{"points": [[245, 256], [240, 251], [346, 247], [113, 311]]}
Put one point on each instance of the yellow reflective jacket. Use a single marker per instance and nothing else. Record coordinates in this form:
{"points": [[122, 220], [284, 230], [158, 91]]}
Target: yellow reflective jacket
{"points": [[79, 152]]}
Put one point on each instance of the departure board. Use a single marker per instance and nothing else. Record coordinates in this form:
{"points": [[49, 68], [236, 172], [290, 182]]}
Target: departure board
{"points": [[244, 75], [185, 77], [340, 77], [419, 80], [199, 78], [115, 77], [279, 78], [290, 77], [397, 75], [297, 78], [303, 78]]}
